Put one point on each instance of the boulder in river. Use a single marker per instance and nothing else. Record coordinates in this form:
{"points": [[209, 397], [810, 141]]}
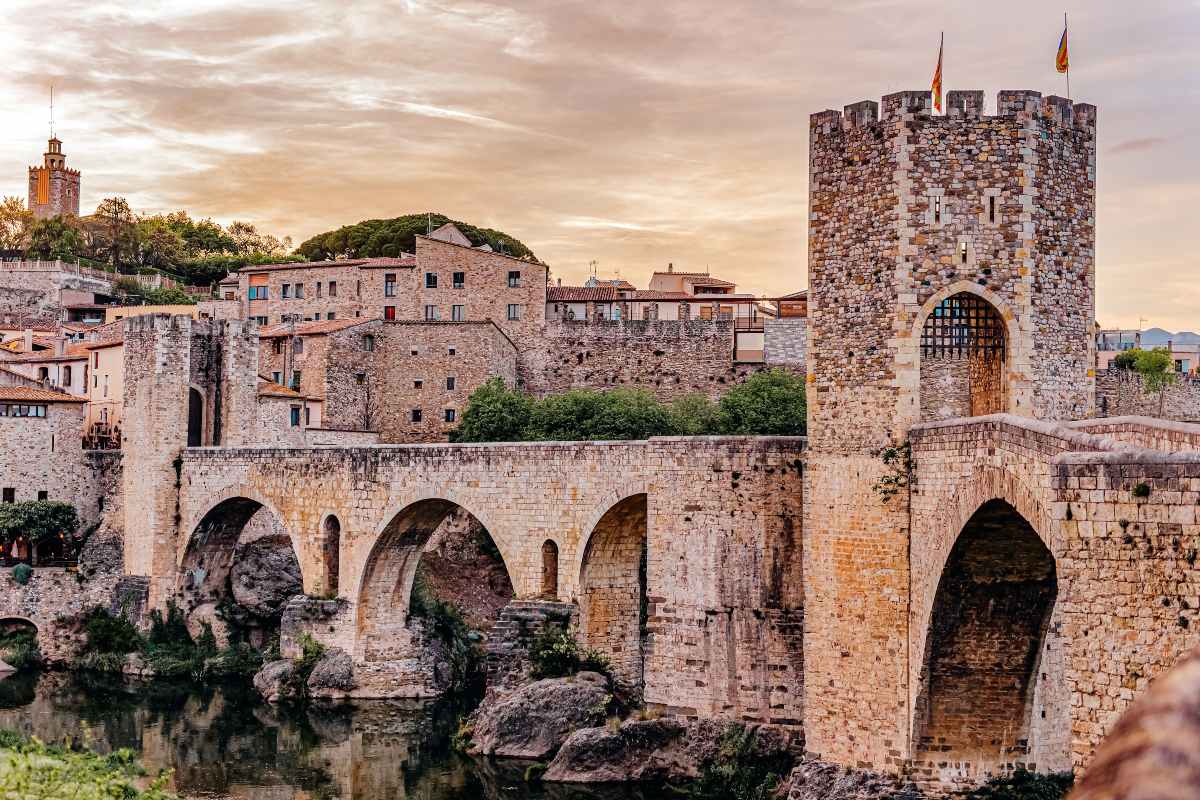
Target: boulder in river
{"points": [[332, 675], [819, 780], [534, 721], [265, 575], [271, 680], [655, 750]]}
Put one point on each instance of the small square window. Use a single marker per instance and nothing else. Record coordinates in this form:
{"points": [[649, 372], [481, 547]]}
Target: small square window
{"points": [[333, 288], [450, 415], [287, 290], [277, 377], [416, 415], [43, 495], [514, 311], [452, 350], [414, 351], [10, 495], [432, 313], [450, 381], [430, 280], [299, 290], [459, 279], [329, 315], [418, 383], [514, 278], [389, 312], [295, 416], [368, 343], [458, 313], [360, 378]]}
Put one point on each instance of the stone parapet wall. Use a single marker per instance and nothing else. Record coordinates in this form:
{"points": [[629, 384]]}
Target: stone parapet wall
{"points": [[1120, 393], [1149, 432]]}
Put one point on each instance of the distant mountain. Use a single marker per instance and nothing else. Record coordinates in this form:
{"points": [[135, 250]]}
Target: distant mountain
{"points": [[1154, 337], [391, 237]]}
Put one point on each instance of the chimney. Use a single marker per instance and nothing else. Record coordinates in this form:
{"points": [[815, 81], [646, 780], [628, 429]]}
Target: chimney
{"points": [[60, 346], [670, 266], [29, 340], [560, 281]]}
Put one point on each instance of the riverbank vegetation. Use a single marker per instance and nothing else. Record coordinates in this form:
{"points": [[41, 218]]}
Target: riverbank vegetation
{"points": [[30, 769], [769, 403], [168, 649]]}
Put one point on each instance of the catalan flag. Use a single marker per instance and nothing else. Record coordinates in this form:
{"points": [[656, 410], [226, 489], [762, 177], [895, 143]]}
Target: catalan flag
{"points": [[1062, 62], [937, 77]]}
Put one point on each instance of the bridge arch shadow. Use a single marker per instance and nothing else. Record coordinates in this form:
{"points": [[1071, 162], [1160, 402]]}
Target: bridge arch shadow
{"points": [[986, 639], [385, 593], [206, 566], [612, 588]]}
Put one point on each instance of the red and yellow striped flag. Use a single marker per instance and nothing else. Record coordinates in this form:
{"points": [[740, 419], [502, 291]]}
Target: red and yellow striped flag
{"points": [[937, 77], [1061, 61]]}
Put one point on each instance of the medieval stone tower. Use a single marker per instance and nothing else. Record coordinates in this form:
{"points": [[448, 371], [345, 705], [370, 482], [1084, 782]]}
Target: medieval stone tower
{"points": [[188, 383], [951, 265], [53, 188]]}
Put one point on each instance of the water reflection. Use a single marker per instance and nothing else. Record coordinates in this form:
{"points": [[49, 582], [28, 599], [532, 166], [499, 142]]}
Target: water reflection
{"points": [[223, 742]]}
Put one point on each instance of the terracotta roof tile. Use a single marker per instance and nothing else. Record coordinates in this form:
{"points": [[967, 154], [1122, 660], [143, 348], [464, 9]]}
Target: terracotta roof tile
{"points": [[646, 294], [314, 328], [25, 394], [581, 294]]}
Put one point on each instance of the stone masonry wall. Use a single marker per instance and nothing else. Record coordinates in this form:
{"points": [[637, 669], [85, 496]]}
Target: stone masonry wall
{"points": [[669, 358], [1120, 393], [785, 341], [411, 367]]}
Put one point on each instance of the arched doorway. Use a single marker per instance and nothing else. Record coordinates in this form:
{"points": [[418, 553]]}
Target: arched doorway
{"points": [[963, 359], [431, 552], [239, 558], [986, 638], [612, 589]]}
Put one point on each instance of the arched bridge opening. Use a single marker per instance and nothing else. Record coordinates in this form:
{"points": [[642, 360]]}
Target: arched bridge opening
{"points": [[975, 700], [612, 590], [238, 571], [433, 560]]}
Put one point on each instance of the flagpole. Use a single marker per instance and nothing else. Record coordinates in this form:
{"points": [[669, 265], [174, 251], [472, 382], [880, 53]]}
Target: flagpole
{"points": [[1066, 33]]}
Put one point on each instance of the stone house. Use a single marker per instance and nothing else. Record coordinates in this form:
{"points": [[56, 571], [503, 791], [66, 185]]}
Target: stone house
{"points": [[63, 367], [41, 447]]}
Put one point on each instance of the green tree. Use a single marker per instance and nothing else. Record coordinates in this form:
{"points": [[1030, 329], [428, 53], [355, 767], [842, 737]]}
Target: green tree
{"points": [[54, 237], [171, 296], [15, 221], [494, 413], [36, 520], [120, 232], [1157, 369], [158, 245], [770, 403], [391, 237]]}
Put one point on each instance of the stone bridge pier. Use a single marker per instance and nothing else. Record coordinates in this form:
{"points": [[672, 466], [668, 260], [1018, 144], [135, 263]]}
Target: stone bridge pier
{"points": [[683, 556]]}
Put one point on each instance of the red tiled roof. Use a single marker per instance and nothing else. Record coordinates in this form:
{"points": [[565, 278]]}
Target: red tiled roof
{"points": [[406, 260], [272, 389], [73, 352], [314, 328], [25, 394], [647, 294], [619, 283], [800, 295], [581, 294]]}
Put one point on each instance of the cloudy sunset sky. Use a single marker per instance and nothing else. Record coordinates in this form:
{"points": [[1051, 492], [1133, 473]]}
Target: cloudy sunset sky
{"points": [[630, 133]]}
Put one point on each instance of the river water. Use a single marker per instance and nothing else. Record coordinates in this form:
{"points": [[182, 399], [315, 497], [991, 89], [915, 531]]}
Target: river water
{"points": [[225, 743]]}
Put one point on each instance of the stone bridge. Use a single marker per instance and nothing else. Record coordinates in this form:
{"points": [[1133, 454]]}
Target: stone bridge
{"points": [[709, 623], [1040, 576]]}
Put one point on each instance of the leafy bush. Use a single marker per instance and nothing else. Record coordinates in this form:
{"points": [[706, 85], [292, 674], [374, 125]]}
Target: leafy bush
{"points": [[770, 403], [22, 573], [554, 653], [1024, 785], [107, 634], [738, 772], [30, 769], [19, 648]]}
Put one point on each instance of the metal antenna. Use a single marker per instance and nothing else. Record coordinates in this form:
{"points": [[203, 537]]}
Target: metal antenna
{"points": [[51, 109]]}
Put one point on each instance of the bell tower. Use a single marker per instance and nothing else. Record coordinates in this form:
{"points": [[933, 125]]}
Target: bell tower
{"points": [[53, 188]]}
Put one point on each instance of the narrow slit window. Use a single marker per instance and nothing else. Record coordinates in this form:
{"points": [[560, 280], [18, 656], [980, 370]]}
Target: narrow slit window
{"points": [[962, 252], [992, 209], [937, 210]]}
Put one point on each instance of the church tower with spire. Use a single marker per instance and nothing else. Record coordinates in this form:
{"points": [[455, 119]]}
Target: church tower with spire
{"points": [[53, 188]]}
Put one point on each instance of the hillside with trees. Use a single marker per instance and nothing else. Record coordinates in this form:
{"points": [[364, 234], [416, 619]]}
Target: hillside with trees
{"points": [[199, 252], [373, 238]]}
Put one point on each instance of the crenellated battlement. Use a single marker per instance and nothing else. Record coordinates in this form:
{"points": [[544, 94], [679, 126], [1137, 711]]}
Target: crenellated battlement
{"points": [[961, 105]]}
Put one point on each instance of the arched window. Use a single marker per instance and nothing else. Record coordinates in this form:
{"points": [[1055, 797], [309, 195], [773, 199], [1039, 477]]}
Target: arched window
{"points": [[549, 570], [195, 428], [368, 343], [963, 358]]}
